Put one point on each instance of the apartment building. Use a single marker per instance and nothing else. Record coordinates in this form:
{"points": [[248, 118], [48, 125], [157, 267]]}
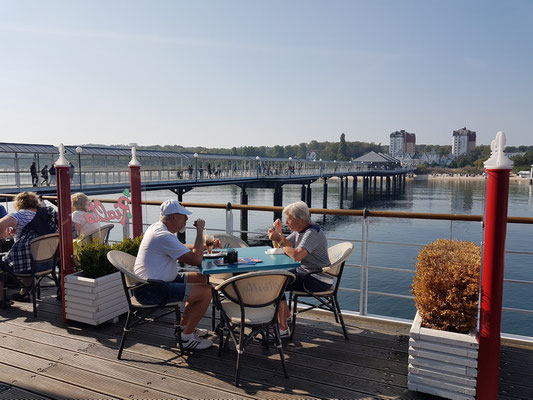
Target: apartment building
{"points": [[463, 141], [402, 142]]}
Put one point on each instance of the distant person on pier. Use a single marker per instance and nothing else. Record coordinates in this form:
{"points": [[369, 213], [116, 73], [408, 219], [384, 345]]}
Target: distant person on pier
{"points": [[306, 244], [190, 171], [71, 172], [80, 205], [44, 175], [52, 172], [158, 253], [29, 220], [34, 176]]}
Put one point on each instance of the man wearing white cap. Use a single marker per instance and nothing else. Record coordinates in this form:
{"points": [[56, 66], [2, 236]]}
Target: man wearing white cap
{"points": [[157, 259]]}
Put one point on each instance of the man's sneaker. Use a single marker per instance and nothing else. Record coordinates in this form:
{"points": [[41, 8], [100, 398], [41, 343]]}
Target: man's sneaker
{"points": [[286, 334], [200, 332], [196, 343]]}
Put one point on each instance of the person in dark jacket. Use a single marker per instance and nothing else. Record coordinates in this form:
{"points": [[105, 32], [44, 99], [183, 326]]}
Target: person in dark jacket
{"points": [[34, 176]]}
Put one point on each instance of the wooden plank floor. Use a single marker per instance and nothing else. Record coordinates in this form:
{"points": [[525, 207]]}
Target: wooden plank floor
{"points": [[52, 359]]}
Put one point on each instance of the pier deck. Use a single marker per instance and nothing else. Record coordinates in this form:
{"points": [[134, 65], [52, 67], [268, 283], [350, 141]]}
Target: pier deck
{"points": [[54, 359]]}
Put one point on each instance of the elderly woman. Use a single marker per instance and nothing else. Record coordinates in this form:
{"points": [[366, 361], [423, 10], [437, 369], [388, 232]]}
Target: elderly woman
{"points": [[306, 244], [80, 203], [28, 221]]}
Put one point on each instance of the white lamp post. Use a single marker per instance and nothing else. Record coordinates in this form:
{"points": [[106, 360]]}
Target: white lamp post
{"points": [[290, 166], [79, 150], [257, 159]]}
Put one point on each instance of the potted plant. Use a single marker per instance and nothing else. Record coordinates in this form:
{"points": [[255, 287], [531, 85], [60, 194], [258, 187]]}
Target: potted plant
{"points": [[443, 347], [94, 293]]}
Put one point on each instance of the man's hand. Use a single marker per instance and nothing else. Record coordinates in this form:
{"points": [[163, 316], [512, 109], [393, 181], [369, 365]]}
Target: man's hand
{"points": [[278, 226], [199, 224]]}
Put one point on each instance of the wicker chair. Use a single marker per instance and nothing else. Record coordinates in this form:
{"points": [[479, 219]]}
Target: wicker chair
{"points": [[251, 300], [327, 300]]}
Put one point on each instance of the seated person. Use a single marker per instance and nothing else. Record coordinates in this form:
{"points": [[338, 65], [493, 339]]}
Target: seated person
{"points": [[158, 254], [28, 221], [306, 244], [80, 204]]}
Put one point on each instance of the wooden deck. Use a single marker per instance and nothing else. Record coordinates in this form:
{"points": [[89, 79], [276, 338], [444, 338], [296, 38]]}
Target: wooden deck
{"points": [[44, 357]]}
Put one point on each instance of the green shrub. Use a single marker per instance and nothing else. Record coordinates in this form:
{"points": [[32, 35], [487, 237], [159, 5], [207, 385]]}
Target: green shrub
{"points": [[446, 285], [92, 258]]}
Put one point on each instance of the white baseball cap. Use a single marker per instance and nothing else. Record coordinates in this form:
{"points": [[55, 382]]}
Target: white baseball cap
{"points": [[173, 207]]}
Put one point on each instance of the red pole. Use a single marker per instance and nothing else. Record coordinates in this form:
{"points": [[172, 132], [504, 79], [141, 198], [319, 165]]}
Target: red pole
{"points": [[498, 167], [135, 188], [65, 222]]}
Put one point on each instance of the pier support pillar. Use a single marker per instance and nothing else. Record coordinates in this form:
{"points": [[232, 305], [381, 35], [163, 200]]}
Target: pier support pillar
{"points": [[387, 186], [302, 193], [498, 167], [308, 196], [325, 194], [182, 236], [394, 183], [375, 185], [244, 213], [278, 200], [354, 191], [341, 191], [346, 188], [381, 186]]}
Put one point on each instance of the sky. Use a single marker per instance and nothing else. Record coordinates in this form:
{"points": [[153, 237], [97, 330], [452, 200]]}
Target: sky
{"points": [[260, 73]]}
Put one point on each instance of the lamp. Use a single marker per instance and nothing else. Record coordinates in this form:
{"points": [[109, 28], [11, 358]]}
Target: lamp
{"points": [[290, 169], [258, 165], [196, 166], [79, 150]]}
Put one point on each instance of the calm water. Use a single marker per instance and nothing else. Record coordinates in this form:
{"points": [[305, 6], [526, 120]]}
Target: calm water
{"points": [[438, 196]]}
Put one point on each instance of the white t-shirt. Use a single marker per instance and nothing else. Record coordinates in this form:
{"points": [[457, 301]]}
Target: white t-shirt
{"points": [[158, 254], [78, 217]]}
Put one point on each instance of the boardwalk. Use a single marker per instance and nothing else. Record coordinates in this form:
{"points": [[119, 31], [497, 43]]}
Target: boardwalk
{"points": [[57, 360]]}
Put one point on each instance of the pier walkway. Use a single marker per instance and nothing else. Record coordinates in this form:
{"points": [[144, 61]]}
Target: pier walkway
{"points": [[52, 359]]}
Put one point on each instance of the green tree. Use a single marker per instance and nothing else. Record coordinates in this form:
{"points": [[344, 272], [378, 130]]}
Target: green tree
{"points": [[342, 151]]}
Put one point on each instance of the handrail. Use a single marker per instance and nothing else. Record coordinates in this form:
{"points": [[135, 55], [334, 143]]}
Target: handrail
{"points": [[322, 211]]}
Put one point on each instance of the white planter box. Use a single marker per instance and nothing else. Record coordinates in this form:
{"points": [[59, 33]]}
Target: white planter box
{"points": [[94, 301], [442, 363]]}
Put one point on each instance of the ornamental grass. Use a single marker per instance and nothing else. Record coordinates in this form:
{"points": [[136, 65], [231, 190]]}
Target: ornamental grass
{"points": [[446, 285]]}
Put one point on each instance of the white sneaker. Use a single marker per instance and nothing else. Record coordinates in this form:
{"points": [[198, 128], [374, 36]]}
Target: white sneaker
{"points": [[200, 332], [196, 343], [286, 334]]}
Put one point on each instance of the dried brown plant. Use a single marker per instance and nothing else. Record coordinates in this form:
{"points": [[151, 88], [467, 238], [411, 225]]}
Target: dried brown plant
{"points": [[446, 285]]}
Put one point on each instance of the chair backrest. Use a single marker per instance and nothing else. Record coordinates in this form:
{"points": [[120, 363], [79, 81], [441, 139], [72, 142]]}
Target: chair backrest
{"points": [[101, 234], [124, 262], [256, 289], [338, 255], [44, 248], [230, 241]]}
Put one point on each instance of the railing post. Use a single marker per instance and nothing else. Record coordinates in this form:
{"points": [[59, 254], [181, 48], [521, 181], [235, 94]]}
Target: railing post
{"points": [[364, 270], [65, 221], [498, 167], [135, 188]]}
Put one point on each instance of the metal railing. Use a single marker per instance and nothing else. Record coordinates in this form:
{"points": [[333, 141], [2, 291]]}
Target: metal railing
{"points": [[363, 266]]}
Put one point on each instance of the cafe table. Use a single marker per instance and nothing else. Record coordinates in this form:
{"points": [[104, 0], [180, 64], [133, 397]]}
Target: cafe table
{"points": [[267, 262]]}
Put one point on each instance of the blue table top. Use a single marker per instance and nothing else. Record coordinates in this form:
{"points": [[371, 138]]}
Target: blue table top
{"points": [[269, 261]]}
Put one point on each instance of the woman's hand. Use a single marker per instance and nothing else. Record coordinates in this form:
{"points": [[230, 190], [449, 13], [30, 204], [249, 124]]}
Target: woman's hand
{"points": [[274, 235], [217, 244], [278, 226]]}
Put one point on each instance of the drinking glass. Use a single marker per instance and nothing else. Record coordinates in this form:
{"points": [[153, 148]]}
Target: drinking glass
{"points": [[209, 241]]}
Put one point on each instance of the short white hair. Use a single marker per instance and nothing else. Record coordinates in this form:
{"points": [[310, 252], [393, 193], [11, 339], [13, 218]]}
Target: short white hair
{"points": [[298, 210]]}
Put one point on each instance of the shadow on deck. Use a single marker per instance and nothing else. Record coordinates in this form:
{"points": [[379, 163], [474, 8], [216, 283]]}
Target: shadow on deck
{"points": [[53, 359]]}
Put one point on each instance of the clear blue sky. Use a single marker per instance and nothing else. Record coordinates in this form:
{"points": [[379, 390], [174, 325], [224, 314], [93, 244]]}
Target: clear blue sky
{"points": [[235, 73]]}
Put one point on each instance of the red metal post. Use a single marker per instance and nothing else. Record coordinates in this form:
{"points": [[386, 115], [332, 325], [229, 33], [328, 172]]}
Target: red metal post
{"points": [[65, 226], [135, 188], [136, 210], [498, 167]]}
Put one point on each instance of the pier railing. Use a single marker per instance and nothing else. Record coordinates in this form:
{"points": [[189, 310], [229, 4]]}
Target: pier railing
{"points": [[360, 260]]}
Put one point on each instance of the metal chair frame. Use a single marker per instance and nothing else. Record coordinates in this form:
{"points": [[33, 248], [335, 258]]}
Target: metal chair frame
{"points": [[142, 314]]}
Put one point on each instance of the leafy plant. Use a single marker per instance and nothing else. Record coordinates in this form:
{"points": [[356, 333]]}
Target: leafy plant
{"points": [[92, 257], [446, 285]]}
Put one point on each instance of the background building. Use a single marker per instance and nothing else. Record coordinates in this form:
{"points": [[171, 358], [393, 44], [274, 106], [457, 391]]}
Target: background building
{"points": [[463, 141], [402, 142]]}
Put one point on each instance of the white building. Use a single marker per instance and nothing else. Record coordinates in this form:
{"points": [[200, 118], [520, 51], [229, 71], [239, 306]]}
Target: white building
{"points": [[402, 142], [463, 141]]}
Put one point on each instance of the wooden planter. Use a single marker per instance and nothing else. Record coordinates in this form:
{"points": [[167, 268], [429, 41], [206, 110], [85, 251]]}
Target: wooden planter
{"points": [[94, 301], [442, 363]]}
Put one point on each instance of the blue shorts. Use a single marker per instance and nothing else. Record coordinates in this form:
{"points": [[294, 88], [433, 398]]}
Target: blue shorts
{"points": [[166, 292]]}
